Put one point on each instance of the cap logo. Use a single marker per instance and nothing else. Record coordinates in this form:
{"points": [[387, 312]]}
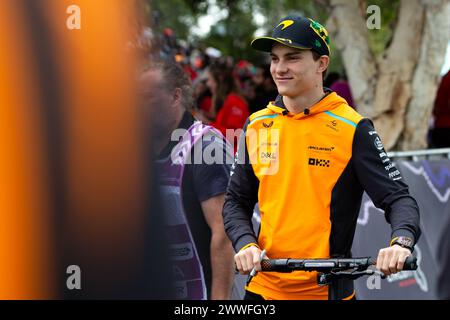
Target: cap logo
{"points": [[285, 24]]}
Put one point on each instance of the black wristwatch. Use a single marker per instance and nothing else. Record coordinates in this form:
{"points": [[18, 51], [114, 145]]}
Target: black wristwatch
{"points": [[404, 242]]}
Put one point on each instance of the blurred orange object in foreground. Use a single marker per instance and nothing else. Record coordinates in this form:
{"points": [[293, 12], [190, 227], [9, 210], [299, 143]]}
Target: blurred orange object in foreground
{"points": [[73, 178]]}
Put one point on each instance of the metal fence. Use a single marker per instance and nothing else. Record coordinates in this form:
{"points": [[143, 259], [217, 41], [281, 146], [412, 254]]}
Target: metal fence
{"points": [[429, 154]]}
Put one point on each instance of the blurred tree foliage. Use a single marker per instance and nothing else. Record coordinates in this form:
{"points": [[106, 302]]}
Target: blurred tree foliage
{"points": [[233, 33], [179, 15]]}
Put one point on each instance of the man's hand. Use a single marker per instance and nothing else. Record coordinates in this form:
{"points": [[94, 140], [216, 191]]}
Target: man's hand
{"points": [[247, 259], [392, 259]]}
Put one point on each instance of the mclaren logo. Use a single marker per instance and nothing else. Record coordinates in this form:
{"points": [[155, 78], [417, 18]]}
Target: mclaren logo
{"points": [[285, 24], [268, 125], [321, 149]]}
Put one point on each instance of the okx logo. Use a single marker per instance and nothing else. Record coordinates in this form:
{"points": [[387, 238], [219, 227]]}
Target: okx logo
{"points": [[319, 162]]}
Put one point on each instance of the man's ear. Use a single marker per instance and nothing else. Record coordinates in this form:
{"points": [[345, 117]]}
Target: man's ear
{"points": [[177, 96], [324, 61]]}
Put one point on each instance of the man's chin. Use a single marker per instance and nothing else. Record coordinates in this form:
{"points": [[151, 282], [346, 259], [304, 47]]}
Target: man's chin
{"points": [[283, 92]]}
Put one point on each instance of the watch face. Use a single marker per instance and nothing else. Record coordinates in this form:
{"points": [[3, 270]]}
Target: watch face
{"points": [[405, 241]]}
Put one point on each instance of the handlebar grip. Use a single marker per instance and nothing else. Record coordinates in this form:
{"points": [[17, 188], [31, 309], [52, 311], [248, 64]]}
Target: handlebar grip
{"points": [[279, 265], [266, 265], [410, 263]]}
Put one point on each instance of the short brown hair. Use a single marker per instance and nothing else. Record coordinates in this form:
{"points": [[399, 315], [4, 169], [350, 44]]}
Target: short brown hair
{"points": [[175, 77]]}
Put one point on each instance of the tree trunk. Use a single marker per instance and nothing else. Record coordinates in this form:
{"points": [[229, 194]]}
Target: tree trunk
{"points": [[435, 37], [397, 89], [350, 35]]}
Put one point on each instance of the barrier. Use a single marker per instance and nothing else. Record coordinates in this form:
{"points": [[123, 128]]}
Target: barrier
{"points": [[429, 184], [429, 154]]}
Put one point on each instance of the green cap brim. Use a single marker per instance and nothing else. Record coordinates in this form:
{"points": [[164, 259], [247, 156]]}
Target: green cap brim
{"points": [[266, 43]]}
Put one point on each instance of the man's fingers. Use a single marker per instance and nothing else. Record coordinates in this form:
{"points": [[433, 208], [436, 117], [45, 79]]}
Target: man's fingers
{"points": [[380, 259], [401, 261], [387, 260], [256, 257], [244, 263], [384, 259], [238, 263], [249, 260], [247, 257], [241, 263], [393, 261], [256, 262]]}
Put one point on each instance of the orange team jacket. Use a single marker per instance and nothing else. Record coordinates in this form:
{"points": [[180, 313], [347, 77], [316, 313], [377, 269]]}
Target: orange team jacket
{"points": [[308, 172]]}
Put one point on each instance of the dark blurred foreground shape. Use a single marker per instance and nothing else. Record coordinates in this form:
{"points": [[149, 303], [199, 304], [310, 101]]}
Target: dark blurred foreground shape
{"points": [[75, 184]]}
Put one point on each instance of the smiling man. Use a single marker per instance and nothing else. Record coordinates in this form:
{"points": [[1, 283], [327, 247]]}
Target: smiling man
{"points": [[323, 156]]}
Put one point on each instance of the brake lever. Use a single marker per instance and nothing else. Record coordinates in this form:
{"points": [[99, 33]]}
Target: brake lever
{"points": [[378, 272]]}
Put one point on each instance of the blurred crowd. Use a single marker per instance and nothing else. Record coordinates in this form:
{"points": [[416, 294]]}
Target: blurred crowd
{"points": [[227, 90]]}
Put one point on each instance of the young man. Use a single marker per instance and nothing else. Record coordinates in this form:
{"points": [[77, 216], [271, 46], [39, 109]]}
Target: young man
{"points": [[193, 193], [306, 159]]}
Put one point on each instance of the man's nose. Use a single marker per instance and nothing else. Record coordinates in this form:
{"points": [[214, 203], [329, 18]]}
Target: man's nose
{"points": [[281, 67]]}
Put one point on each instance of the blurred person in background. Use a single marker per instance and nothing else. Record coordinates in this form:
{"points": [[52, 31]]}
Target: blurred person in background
{"points": [[203, 96], [168, 44], [193, 191], [342, 88], [228, 105], [243, 72], [188, 68], [440, 134], [265, 89]]}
